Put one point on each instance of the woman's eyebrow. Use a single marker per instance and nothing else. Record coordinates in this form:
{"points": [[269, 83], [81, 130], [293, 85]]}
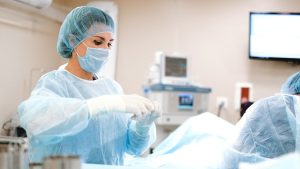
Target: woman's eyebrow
{"points": [[104, 38]]}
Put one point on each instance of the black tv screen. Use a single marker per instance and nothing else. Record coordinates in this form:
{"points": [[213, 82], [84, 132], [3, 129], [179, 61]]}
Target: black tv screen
{"points": [[274, 36]]}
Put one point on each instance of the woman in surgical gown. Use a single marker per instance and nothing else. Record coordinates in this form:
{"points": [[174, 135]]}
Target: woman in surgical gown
{"points": [[74, 111]]}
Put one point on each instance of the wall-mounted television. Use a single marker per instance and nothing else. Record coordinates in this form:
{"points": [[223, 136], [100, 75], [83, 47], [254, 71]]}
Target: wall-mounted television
{"points": [[274, 36]]}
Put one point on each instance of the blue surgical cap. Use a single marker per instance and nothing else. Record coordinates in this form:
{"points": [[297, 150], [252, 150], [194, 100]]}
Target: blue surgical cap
{"points": [[292, 85], [79, 24]]}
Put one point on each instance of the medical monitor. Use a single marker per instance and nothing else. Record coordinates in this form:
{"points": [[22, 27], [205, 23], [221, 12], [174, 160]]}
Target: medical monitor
{"points": [[173, 69], [274, 36]]}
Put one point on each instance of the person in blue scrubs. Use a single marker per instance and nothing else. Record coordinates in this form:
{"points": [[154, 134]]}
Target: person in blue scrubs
{"points": [[292, 84], [75, 111], [270, 127]]}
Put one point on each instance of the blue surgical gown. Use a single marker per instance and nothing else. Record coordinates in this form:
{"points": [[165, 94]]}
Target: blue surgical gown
{"points": [[57, 121]]}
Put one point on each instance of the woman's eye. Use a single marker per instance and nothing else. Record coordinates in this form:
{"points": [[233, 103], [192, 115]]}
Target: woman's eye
{"points": [[109, 44], [97, 42]]}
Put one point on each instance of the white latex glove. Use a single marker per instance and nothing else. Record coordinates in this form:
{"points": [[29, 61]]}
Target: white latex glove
{"points": [[135, 104], [144, 122], [149, 117]]}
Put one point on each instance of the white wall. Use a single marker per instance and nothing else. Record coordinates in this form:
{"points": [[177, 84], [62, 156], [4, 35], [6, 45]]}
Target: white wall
{"points": [[28, 50], [213, 33]]}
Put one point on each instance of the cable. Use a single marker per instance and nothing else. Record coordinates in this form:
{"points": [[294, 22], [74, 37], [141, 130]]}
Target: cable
{"points": [[220, 107]]}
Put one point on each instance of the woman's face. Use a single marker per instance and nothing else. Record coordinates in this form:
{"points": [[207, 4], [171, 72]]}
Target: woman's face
{"points": [[101, 40]]}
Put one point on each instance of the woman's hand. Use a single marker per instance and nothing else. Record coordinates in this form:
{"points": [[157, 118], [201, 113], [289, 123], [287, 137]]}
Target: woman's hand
{"points": [[135, 104]]}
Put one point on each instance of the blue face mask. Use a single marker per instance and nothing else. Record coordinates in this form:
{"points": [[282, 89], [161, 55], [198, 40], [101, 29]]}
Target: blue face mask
{"points": [[94, 59]]}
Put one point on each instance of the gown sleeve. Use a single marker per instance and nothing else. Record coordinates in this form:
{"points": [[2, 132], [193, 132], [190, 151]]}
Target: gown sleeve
{"points": [[49, 115], [139, 139]]}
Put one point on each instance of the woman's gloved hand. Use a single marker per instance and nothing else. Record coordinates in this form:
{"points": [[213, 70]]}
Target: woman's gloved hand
{"points": [[135, 104], [149, 117], [144, 121]]}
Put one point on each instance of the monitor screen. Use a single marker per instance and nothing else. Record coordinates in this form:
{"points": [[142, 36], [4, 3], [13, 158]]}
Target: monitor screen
{"points": [[175, 67], [274, 36], [186, 101]]}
